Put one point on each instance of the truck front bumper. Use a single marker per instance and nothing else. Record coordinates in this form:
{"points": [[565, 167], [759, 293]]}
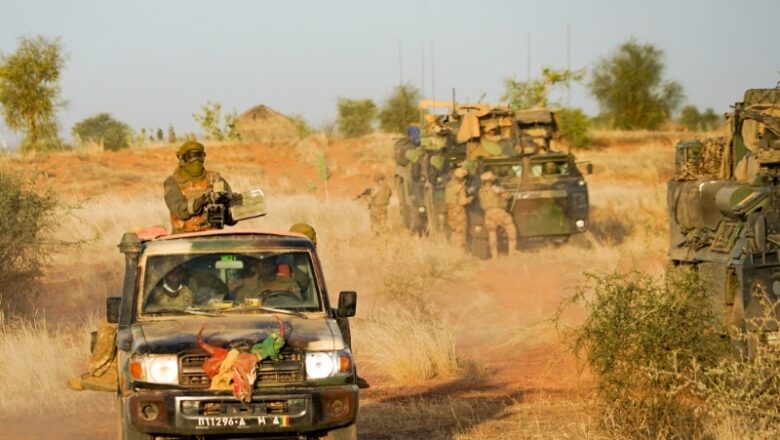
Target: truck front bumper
{"points": [[198, 412]]}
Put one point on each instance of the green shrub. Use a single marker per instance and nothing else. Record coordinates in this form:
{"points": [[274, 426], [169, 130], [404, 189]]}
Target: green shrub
{"points": [[114, 134], [400, 110], [573, 126], [27, 215], [645, 342], [355, 116], [303, 127]]}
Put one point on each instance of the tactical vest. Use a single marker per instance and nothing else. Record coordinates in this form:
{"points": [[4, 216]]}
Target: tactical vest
{"points": [[490, 199], [190, 189], [452, 192], [381, 197]]}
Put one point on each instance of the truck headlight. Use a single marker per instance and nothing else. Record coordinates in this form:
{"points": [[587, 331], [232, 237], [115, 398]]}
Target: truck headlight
{"points": [[155, 369], [580, 224], [324, 364]]}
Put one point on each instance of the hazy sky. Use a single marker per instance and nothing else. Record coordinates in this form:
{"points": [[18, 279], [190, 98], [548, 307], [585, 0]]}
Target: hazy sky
{"points": [[151, 63]]}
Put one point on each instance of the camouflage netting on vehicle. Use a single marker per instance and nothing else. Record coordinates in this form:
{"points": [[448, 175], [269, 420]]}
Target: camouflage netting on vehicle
{"points": [[709, 163]]}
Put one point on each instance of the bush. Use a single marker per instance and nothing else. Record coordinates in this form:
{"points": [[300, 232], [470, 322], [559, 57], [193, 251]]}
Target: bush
{"points": [[400, 110], [645, 342], [102, 127], [573, 125], [355, 116], [304, 130], [27, 215]]}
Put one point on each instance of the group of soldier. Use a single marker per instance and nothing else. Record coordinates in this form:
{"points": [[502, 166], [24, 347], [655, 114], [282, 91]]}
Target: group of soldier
{"points": [[492, 200]]}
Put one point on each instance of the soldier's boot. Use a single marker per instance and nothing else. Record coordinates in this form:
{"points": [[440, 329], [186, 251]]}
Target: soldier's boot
{"points": [[512, 247]]}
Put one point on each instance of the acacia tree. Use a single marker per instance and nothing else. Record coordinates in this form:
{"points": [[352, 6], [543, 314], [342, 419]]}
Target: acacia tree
{"points": [[114, 134], [30, 90], [536, 92], [631, 89], [355, 116], [216, 127], [400, 109]]}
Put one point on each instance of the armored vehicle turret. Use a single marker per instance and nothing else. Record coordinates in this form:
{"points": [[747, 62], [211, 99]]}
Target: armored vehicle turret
{"points": [[724, 212]]}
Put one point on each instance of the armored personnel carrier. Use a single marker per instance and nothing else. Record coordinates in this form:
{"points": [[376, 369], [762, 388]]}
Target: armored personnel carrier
{"points": [[549, 195], [724, 213]]}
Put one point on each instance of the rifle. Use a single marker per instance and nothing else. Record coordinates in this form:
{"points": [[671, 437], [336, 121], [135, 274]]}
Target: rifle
{"points": [[366, 192]]}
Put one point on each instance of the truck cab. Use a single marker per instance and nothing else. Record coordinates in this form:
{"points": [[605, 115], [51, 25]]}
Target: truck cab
{"points": [[188, 299]]}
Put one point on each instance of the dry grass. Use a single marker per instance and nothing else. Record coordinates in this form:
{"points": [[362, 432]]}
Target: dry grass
{"points": [[445, 316], [36, 362]]}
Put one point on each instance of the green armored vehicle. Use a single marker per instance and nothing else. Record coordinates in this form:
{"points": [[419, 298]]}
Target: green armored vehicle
{"points": [[724, 212], [548, 190]]}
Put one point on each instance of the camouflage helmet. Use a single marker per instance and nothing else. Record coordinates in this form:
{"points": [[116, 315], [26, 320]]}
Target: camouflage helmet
{"points": [[305, 229], [460, 173], [487, 176], [379, 176], [189, 146]]}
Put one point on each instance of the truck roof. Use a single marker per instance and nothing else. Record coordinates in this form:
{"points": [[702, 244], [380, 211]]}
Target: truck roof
{"points": [[157, 237]]}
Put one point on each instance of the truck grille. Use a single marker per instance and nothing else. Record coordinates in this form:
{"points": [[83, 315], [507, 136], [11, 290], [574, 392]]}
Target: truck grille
{"points": [[289, 369]]}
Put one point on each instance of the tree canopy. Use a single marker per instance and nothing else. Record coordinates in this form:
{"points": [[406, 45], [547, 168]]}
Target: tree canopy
{"points": [[102, 127], [536, 92], [631, 89], [400, 110], [30, 91], [355, 116]]}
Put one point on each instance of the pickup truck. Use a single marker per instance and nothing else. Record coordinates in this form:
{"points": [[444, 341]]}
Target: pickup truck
{"points": [[188, 299]]}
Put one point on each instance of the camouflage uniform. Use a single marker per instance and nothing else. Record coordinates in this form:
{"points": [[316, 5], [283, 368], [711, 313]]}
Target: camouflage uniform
{"points": [[162, 299], [377, 204], [456, 198], [493, 204], [282, 281], [184, 191]]}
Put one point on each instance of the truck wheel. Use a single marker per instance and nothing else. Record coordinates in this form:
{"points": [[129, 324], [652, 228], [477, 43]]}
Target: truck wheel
{"points": [[345, 433], [126, 429]]}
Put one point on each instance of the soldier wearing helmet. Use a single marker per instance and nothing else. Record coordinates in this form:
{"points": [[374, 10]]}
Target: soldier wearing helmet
{"points": [[378, 199], [187, 189], [457, 198], [492, 200], [490, 143]]}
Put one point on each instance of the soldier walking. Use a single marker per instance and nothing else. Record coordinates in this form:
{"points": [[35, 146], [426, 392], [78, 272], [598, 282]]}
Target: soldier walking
{"points": [[492, 200], [456, 198], [378, 199]]}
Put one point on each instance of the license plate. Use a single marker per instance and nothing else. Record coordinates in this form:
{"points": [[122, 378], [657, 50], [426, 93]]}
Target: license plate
{"points": [[242, 422]]}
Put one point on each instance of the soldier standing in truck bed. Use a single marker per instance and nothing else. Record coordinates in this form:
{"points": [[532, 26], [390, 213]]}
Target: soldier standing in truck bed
{"points": [[187, 188]]}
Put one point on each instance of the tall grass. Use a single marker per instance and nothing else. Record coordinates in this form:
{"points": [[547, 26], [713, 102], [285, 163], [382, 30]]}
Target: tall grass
{"points": [[35, 362]]}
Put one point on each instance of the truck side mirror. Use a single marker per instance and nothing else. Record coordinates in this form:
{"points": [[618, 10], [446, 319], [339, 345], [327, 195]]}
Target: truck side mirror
{"points": [[347, 304], [589, 168], [112, 309]]}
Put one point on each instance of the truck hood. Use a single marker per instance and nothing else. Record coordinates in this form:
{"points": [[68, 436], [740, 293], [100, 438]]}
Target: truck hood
{"points": [[234, 331]]}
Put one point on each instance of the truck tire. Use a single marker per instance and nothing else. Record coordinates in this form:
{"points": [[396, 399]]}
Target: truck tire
{"points": [[345, 433]]}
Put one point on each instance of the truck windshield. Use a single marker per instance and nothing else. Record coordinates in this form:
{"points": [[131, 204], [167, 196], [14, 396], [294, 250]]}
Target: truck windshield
{"points": [[224, 282]]}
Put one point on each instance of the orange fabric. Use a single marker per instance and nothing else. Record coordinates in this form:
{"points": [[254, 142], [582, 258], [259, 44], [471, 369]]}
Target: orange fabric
{"points": [[189, 188]]}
